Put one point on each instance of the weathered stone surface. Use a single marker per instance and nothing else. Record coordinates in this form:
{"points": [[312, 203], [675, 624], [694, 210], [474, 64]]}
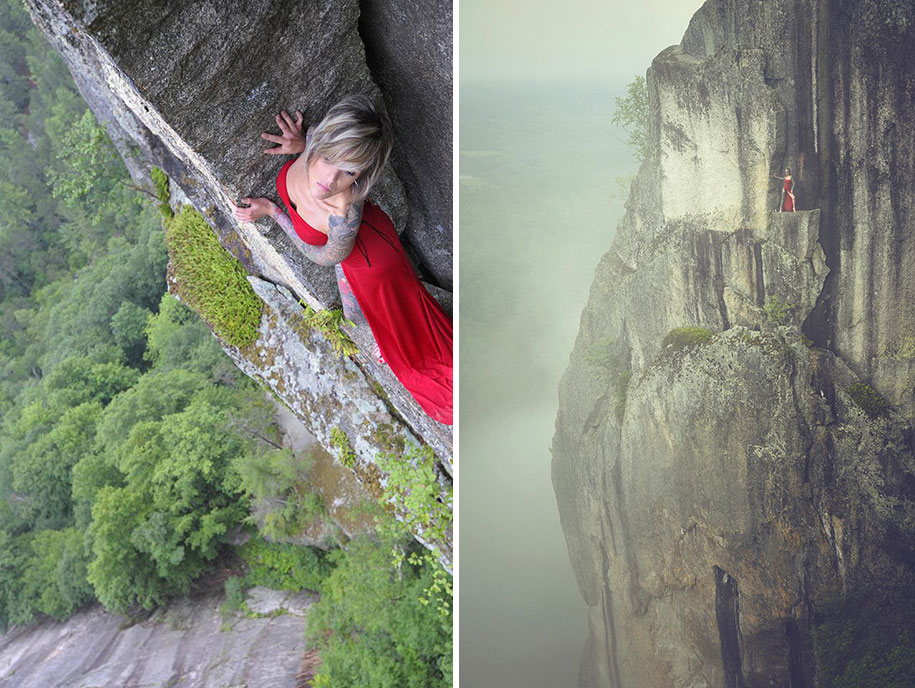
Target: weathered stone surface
{"points": [[716, 499], [189, 86], [186, 645], [409, 52], [340, 491], [333, 393]]}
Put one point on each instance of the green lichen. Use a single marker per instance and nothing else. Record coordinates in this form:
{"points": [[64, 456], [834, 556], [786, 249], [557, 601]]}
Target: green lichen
{"points": [[868, 400], [340, 442], [385, 437], [210, 280], [600, 356], [608, 362], [681, 338], [905, 349], [622, 390], [329, 322]]}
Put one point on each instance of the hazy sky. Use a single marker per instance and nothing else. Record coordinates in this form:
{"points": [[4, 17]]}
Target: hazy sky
{"points": [[525, 38], [527, 259]]}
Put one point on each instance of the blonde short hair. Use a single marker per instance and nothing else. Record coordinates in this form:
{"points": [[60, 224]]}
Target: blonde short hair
{"points": [[356, 136]]}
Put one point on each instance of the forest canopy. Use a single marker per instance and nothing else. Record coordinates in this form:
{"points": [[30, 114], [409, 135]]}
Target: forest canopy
{"points": [[131, 448]]}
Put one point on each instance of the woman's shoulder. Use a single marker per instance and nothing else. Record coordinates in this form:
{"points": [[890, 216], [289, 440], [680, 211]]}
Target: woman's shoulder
{"points": [[374, 213]]}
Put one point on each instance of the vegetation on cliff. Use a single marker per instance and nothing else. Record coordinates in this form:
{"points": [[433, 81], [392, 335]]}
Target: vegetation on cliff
{"points": [[210, 280], [128, 440]]}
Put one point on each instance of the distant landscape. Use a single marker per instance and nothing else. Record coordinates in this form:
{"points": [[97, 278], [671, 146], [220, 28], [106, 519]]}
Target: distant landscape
{"points": [[539, 206]]}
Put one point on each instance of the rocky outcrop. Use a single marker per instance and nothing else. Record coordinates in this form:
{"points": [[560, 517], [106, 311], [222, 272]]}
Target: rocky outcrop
{"points": [[189, 644], [189, 86], [722, 487]]}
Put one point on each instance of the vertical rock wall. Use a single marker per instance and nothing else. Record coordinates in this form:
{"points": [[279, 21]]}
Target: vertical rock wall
{"points": [[189, 87], [721, 489]]}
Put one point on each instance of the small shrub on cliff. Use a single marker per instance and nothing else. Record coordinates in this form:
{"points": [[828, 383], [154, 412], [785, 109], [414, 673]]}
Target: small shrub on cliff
{"points": [[778, 312], [210, 280], [282, 566], [631, 113], [681, 338], [413, 489], [329, 322], [606, 361], [868, 400], [160, 182]]}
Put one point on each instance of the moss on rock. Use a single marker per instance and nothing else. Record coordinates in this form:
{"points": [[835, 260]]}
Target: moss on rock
{"points": [[681, 338], [868, 400], [210, 280]]}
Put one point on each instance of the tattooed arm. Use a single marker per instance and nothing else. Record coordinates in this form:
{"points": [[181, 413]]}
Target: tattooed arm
{"points": [[340, 238], [341, 235]]}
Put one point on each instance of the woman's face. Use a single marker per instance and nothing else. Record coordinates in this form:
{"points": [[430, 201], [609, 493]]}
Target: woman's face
{"points": [[328, 180]]}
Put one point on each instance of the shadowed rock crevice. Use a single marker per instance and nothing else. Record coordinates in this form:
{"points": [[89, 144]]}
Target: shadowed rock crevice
{"points": [[409, 53], [727, 614]]}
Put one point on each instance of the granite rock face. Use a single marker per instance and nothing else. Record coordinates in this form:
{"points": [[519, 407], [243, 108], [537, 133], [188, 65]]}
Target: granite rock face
{"points": [[188, 644], [189, 86], [719, 493], [409, 52]]}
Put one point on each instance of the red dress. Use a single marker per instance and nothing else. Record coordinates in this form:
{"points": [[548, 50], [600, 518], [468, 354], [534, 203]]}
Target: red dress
{"points": [[788, 203], [413, 333]]}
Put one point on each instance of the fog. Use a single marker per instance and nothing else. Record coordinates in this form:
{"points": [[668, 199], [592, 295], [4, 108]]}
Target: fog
{"points": [[538, 162]]}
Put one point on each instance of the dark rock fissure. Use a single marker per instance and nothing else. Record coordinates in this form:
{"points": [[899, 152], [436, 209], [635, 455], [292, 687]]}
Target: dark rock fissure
{"points": [[727, 613], [796, 674], [609, 626]]}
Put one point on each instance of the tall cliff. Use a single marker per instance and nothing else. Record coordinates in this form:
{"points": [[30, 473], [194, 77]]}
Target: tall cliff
{"points": [[189, 86], [733, 457]]}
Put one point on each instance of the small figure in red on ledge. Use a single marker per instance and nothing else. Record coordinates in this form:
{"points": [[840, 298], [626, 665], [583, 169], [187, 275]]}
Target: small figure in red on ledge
{"points": [[787, 202]]}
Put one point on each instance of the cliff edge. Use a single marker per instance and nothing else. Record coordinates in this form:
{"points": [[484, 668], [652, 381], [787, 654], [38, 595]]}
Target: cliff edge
{"points": [[733, 458], [188, 87]]}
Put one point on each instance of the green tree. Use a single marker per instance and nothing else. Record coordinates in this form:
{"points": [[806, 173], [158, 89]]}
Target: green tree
{"points": [[56, 573], [41, 473], [383, 621], [631, 113], [177, 338]]}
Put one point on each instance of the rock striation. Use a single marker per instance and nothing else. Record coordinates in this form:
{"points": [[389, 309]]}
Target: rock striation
{"points": [[188, 87], [733, 456], [190, 644]]}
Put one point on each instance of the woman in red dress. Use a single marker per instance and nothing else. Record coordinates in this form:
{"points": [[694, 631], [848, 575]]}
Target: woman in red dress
{"points": [[787, 200], [332, 222]]}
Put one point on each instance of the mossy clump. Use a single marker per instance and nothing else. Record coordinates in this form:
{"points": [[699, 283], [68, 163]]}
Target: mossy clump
{"points": [[160, 183], [868, 400], [340, 442], [681, 338], [210, 280], [387, 439], [329, 323]]}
